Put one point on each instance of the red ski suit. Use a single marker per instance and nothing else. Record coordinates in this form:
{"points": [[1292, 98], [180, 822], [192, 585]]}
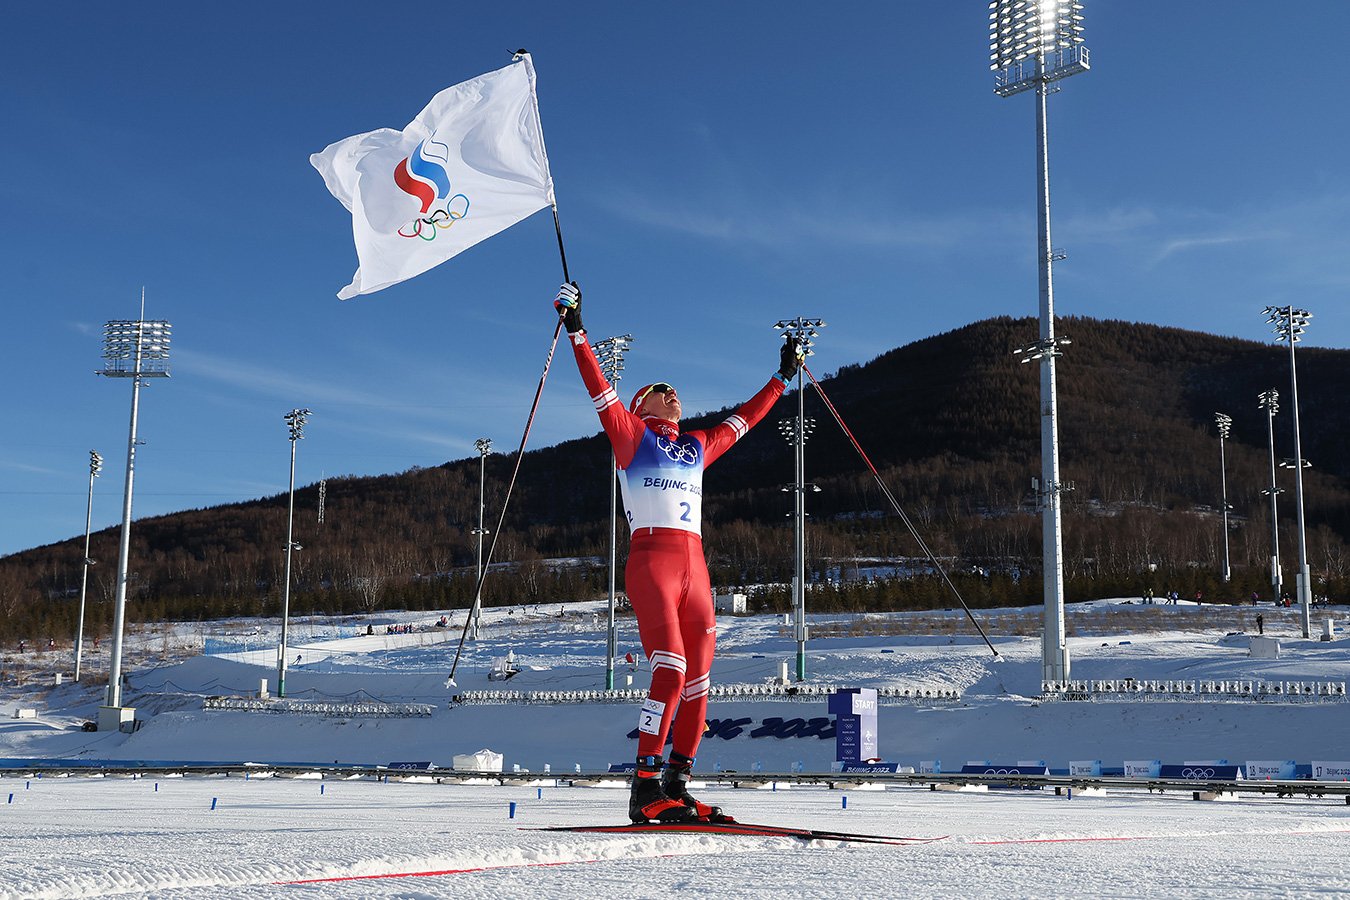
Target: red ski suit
{"points": [[661, 475]]}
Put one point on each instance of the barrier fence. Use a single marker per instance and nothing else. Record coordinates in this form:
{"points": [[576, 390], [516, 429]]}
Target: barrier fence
{"points": [[892, 694], [321, 708], [1210, 691]]}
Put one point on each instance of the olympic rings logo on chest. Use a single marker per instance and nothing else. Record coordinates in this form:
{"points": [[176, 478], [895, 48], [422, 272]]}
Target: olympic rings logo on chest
{"points": [[685, 454]]}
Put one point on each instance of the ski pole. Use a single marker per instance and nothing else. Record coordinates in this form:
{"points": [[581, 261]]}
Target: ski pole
{"points": [[914, 532], [520, 456]]}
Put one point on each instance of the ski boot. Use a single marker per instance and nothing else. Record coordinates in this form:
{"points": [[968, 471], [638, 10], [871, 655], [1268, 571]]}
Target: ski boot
{"points": [[648, 801], [675, 783]]}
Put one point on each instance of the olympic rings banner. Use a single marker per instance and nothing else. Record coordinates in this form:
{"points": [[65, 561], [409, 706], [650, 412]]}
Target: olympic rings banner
{"points": [[471, 164]]}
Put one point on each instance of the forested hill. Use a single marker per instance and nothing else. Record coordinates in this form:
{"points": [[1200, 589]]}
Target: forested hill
{"points": [[952, 421]]}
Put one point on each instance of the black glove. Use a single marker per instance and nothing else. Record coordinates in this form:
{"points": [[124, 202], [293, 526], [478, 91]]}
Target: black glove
{"points": [[568, 305], [791, 357]]}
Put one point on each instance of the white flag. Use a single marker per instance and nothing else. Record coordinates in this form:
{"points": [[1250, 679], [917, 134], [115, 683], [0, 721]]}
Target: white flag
{"points": [[470, 165]]}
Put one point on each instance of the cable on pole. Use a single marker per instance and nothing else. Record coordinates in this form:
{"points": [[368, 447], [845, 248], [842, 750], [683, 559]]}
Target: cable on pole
{"points": [[914, 532]]}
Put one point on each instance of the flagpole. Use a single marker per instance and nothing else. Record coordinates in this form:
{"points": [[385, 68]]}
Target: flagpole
{"points": [[561, 251]]}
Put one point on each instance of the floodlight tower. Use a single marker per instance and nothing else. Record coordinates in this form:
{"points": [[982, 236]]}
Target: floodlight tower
{"points": [[805, 331], [1033, 44], [1270, 402], [796, 432], [95, 465], [610, 353], [1289, 324], [1225, 426], [137, 350], [484, 447], [295, 423]]}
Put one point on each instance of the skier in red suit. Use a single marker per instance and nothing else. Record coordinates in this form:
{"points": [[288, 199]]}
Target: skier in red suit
{"points": [[666, 578]]}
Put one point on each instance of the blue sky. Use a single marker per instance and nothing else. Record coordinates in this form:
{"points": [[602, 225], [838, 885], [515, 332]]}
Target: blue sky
{"points": [[718, 166]]}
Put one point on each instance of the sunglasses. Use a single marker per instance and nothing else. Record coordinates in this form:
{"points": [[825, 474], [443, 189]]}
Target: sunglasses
{"points": [[659, 388]]}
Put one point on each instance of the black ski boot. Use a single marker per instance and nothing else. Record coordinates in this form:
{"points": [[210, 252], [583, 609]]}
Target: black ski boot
{"points": [[675, 783], [648, 801]]}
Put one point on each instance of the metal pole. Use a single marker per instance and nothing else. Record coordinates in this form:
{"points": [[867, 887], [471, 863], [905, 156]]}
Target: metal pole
{"points": [[610, 354], [482, 505], [1054, 650], [1223, 478], [611, 638], [1303, 580], [114, 695], [799, 538], [1270, 402], [1225, 425], [484, 446], [286, 583], [95, 463]]}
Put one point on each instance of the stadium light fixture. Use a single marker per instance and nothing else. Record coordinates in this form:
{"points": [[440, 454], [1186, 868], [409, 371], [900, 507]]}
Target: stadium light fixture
{"points": [[1289, 324], [1225, 426], [295, 423], [1033, 44], [610, 352], [805, 331], [95, 466], [137, 350]]}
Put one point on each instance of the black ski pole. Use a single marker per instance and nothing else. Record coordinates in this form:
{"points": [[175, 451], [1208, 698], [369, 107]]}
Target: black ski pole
{"points": [[520, 456], [914, 532]]}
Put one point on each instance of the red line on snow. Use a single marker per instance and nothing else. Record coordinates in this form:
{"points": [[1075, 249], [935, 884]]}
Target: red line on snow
{"points": [[468, 871]]}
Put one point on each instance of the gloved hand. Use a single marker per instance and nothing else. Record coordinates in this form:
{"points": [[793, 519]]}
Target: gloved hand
{"points": [[791, 357], [568, 305]]}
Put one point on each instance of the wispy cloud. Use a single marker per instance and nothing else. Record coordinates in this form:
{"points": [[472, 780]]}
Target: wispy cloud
{"points": [[30, 469], [1199, 242], [267, 381], [772, 222], [1298, 226]]}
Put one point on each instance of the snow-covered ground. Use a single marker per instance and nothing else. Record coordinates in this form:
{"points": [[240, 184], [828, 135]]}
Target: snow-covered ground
{"points": [[80, 836]]}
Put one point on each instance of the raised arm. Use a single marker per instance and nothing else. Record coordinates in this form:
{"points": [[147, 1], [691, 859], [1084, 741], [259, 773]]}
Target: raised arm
{"points": [[623, 429], [719, 439]]}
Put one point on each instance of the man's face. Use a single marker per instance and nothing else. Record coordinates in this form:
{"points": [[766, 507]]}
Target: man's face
{"points": [[664, 404]]}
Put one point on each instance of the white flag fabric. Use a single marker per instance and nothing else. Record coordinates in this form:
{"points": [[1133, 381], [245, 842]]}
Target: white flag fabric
{"points": [[470, 165]]}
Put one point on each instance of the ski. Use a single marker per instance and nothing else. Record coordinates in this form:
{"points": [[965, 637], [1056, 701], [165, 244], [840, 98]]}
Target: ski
{"points": [[743, 829]]}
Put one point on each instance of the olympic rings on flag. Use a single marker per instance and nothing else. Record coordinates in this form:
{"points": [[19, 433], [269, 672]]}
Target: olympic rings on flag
{"points": [[441, 219]]}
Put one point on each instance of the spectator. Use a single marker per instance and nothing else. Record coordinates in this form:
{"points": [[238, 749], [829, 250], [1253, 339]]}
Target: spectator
{"points": [[1260, 624]]}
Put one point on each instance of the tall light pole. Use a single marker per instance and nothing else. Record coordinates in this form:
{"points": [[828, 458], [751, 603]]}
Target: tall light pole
{"points": [[796, 432], [1270, 402], [805, 331], [137, 350], [1033, 44], [1289, 324], [295, 423], [484, 447], [610, 353], [1225, 426], [95, 464]]}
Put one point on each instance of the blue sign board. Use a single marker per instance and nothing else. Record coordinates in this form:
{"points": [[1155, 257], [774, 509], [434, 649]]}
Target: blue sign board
{"points": [[855, 737]]}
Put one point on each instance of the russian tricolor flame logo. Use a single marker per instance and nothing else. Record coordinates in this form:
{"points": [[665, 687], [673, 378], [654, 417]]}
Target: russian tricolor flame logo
{"points": [[422, 173]]}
